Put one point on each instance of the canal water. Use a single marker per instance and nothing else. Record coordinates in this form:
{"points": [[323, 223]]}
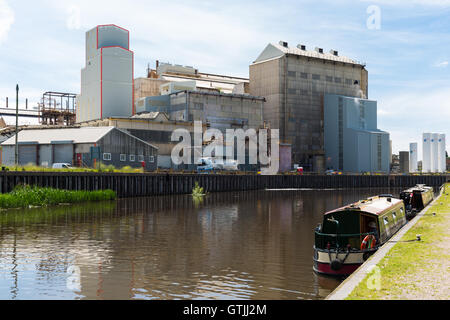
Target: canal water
{"points": [[243, 245]]}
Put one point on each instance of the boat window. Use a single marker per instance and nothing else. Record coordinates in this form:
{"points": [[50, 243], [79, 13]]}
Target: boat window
{"points": [[394, 215], [401, 210], [386, 220]]}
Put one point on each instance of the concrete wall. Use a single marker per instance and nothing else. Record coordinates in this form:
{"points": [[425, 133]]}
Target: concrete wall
{"points": [[147, 87], [117, 91], [89, 100]]}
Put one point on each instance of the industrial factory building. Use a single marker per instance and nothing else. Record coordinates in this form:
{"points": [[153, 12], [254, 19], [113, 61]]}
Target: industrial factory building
{"points": [[353, 143], [294, 81], [172, 97], [107, 80], [79, 147], [165, 73], [218, 110]]}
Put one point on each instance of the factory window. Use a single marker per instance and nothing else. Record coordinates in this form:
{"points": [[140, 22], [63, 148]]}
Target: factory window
{"points": [[337, 80], [107, 156], [152, 159], [348, 82], [304, 92], [291, 74], [292, 91], [304, 75], [329, 79], [316, 77], [140, 158], [123, 157], [132, 157]]}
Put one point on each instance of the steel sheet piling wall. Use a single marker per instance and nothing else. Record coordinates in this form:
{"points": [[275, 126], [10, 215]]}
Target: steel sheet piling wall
{"points": [[137, 185]]}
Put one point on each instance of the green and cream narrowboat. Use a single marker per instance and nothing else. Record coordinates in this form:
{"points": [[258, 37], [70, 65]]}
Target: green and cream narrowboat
{"points": [[416, 198], [348, 236]]}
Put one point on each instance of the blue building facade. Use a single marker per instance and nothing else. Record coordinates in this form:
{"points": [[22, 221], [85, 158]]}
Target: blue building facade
{"points": [[352, 141]]}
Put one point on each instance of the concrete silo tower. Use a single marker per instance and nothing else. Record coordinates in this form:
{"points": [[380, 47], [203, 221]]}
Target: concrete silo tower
{"points": [[426, 152], [434, 152], [441, 154], [413, 157], [107, 81]]}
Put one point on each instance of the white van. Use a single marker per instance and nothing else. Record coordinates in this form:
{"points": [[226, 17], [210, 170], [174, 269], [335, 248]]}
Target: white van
{"points": [[62, 166]]}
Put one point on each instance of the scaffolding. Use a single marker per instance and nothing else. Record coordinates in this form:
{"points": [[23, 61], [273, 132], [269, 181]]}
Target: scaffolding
{"points": [[57, 108]]}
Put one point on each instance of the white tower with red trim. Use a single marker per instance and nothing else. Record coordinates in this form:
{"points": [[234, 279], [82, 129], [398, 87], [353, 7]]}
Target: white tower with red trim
{"points": [[107, 81]]}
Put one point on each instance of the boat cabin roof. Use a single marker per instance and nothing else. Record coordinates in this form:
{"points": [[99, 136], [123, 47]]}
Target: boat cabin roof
{"points": [[419, 188], [374, 205]]}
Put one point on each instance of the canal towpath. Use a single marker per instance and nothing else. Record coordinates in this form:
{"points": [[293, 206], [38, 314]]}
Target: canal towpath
{"points": [[406, 269]]}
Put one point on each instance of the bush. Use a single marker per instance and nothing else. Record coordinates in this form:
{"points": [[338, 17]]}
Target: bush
{"points": [[26, 196]]}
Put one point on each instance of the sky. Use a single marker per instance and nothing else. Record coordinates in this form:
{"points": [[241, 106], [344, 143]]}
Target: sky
{"points": [[404, 43]]}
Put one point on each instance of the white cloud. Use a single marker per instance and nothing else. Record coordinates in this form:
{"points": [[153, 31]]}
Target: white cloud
{"points": [[407, 114], [442, 64], [430, 3], [74, 18], [6, 19]]}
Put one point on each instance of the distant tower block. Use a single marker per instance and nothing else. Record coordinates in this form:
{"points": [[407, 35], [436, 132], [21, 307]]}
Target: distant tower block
{"points": [[434, 152], [426, 152], [107, 81], [404, 161], [441, 153], [413, 157]]}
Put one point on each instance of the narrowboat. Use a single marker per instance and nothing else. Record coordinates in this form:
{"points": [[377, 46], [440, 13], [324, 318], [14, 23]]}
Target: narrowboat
{"points": [[416, 198], [348, 236]]}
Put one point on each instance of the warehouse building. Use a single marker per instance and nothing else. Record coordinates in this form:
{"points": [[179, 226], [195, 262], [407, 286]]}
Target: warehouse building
{"points": [[153, 127], [84, 146], [353, 143], [294, 81]]}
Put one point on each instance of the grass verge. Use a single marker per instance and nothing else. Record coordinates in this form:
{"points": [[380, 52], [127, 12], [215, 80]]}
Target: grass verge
{"points": [[413, 270], [26, 196]]}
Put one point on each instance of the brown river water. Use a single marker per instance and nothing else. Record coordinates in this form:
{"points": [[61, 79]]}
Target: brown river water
{"points": [[237, 245]]}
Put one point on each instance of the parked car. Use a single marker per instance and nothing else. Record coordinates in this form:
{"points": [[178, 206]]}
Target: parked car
{"points": [[62, 166], [216, 164], [205, 165]]}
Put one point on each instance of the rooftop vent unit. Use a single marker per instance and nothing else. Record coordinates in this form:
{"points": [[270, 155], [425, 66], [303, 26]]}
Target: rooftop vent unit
{"points": [[334, 53], [301, 47], [319, 50], [283, 43]]}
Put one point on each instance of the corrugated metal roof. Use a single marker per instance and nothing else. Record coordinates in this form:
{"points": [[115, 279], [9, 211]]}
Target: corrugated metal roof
{"points": [[47, 136], [374, 205], [312, 54]]}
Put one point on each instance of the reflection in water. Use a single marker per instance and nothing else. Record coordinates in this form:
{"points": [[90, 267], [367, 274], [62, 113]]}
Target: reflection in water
{"points": [[248, 245]]}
